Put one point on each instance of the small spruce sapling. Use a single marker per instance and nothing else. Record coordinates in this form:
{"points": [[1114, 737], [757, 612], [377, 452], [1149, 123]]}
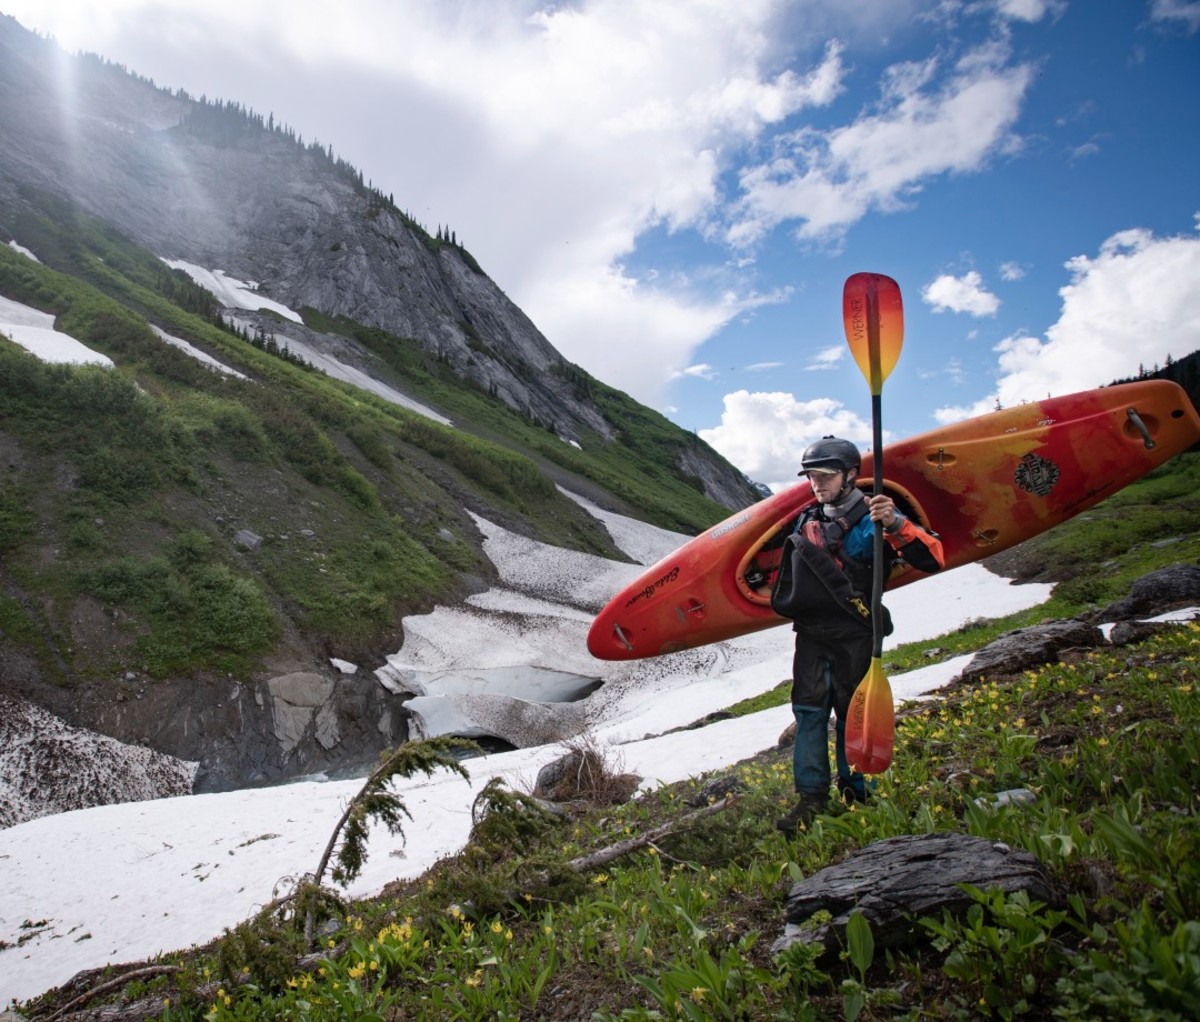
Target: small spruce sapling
{"points": [[375, 801]]}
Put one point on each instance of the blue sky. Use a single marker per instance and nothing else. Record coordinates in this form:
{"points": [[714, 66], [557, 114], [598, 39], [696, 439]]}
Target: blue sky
{"points": [[676, 191]]}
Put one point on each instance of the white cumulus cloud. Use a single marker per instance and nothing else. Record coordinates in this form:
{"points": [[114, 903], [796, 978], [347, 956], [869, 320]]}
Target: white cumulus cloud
{"points": [[765, 433], [1129, 306], [827, 358], [1030, 10], [960, 294]]}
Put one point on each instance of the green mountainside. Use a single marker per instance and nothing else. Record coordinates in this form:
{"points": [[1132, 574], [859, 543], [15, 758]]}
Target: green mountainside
{"points": [[122, 490], [183, 551]]}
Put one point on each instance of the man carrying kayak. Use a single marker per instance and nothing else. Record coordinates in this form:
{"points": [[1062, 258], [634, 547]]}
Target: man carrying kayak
{"points": [[824, 586]]}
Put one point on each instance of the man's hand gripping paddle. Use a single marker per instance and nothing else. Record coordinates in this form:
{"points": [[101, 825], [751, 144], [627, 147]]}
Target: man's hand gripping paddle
{"points": [[874, 318]]}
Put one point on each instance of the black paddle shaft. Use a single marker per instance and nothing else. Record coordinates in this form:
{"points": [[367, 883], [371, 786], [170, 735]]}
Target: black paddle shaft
{"points": [[877, 461], [877, 564]]}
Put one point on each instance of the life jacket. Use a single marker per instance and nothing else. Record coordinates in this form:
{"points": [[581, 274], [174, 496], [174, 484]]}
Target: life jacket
{"points": [[829, 534]]}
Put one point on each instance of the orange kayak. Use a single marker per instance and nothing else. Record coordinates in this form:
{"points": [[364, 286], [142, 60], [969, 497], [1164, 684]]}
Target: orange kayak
{"points": [[982, 485]]}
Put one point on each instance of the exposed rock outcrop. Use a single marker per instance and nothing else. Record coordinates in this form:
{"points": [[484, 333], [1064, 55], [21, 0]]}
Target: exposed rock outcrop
{"points": [[1018, 650]]}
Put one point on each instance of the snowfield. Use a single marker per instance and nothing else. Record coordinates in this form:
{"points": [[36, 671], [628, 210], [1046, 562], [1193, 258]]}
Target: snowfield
{"points": [[119, 883]]}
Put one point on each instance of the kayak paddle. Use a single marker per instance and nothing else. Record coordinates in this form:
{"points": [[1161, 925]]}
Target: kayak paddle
{"points": [[874, 318]]}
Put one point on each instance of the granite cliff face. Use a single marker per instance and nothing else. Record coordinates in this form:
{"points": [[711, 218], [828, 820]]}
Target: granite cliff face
{"points": [[220, 187]]}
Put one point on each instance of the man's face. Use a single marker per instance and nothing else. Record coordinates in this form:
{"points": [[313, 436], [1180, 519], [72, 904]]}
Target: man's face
{"points": [[826, 483]]}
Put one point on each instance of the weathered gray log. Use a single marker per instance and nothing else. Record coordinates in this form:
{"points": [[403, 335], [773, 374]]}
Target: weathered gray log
{"points": [[892, 882], [1024, 648]]}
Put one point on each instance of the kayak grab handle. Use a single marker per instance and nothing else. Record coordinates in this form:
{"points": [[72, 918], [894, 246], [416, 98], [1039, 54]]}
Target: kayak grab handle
{"points": [[1141, 428], [620, 634]]}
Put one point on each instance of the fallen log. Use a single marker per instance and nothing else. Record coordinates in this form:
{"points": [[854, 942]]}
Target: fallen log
{"points": [[894, 881]]}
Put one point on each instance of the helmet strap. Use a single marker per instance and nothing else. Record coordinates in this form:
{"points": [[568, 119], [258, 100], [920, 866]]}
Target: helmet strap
{"points": [[848, 486]]}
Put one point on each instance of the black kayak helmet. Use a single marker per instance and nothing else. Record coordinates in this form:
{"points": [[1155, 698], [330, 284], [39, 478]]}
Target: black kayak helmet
{"points": [[831, 452]]}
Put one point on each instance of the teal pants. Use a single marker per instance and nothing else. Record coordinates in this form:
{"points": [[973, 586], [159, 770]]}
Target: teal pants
{"points": [[810, 754]]}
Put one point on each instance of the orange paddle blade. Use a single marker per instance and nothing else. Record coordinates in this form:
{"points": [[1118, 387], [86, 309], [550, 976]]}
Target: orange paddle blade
{"points": [[873, 312], [871, 725]]}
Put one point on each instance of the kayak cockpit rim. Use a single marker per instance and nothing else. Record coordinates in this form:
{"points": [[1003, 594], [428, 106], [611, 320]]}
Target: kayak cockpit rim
{"points": [[755, 575]]}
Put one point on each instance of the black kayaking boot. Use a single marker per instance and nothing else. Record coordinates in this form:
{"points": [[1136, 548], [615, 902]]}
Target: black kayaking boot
{"points": [[807, 806]]}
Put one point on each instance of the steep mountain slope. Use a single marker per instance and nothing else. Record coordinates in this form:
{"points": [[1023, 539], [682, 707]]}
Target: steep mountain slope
{"points": [[184, 550], [220, 187]]}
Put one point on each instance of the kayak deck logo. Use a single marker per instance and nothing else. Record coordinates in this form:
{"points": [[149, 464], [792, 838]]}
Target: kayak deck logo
{"points": [[1035, 474]]}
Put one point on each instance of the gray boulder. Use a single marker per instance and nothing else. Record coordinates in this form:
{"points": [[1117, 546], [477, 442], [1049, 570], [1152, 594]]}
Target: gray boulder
{"points": [[1019, 650]]}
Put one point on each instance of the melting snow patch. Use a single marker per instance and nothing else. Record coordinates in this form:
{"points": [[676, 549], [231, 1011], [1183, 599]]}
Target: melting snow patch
{"points": [[47, 766], [231, 292], [646, 544], [196, 353], [331, 366], [34, 331], [23, 250], [553, 573]]}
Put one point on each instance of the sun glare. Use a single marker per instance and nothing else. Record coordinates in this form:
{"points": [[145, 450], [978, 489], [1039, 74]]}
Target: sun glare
{"points": [[65, 83]]}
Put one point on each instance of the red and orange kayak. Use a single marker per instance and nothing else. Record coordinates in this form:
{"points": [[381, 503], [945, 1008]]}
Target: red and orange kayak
{"points": [[983, 485]]}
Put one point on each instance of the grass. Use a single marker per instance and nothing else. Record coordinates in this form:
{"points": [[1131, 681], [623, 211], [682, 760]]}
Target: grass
{"points": [[163, 446], [530, 922], [640, 467], [682, 928]]}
